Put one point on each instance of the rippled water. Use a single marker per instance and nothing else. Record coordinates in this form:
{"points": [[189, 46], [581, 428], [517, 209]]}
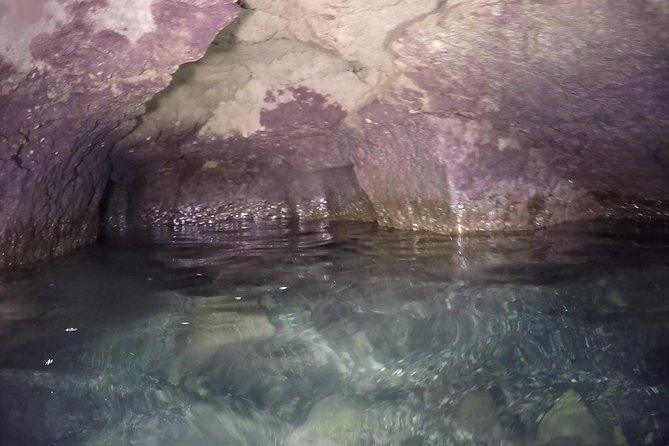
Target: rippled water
{"points": [[342, 334]]}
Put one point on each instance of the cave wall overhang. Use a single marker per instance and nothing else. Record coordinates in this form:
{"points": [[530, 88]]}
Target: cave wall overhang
{"points": [[442, 116], [75, 74], [451, 116]]}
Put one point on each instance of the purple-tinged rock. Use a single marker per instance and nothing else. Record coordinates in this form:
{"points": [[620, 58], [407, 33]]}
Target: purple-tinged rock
{"points": [[75, 74]]}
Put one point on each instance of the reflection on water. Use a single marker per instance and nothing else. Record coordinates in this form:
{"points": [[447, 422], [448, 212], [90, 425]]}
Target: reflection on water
{"points": [[342, 334]]}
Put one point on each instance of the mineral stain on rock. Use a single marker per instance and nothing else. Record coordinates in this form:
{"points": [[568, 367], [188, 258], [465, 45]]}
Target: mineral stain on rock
{"points": [[539, 115]]}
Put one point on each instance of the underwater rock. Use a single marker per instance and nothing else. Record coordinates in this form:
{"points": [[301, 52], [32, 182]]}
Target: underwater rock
{"points": [[337, 420], [570, 422], [211, 330], [345, 420], [227, 327], [477, 413], [285, 375], [198, 424]]}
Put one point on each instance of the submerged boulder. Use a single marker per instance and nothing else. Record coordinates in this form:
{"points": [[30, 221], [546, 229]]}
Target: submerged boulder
{"points": [[210, 329], [570, 422], [477, 413], [336, 420]]}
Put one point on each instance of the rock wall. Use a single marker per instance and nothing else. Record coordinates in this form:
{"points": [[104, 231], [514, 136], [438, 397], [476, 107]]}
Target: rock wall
{"points": [[444, 116], [75, 74], [285, 81], [454, 116], [548, 112]]}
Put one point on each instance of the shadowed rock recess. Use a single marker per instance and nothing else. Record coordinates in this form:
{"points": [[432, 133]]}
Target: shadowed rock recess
{"points": [[447, 116]]}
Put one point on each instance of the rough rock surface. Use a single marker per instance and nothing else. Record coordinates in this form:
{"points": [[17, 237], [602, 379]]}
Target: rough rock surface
{"points": [[547, 112], [231, 186], [445, 116], [454, 116], [75, 73]]}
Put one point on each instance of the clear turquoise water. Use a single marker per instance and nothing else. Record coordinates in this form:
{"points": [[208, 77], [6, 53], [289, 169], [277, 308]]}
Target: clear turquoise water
{"points": [[340, 334]]}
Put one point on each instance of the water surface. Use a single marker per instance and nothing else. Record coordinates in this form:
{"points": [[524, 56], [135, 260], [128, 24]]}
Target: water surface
{"points": [[335, 334]]}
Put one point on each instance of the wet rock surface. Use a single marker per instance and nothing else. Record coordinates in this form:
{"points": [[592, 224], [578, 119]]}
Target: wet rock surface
{"points": [[570, 422], [477, 413], [238, 186]]}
